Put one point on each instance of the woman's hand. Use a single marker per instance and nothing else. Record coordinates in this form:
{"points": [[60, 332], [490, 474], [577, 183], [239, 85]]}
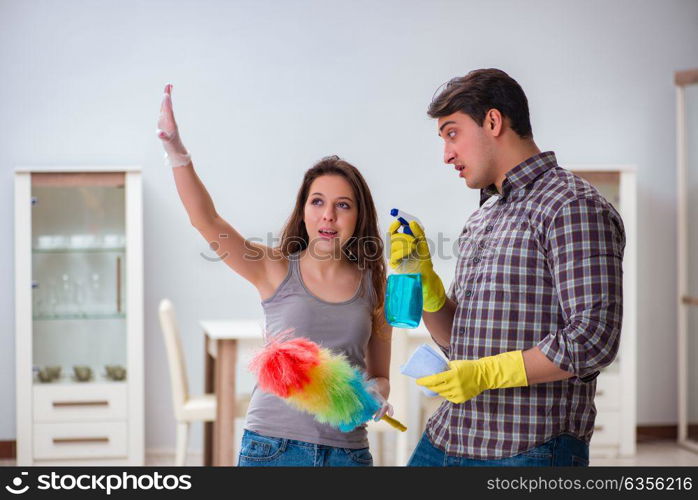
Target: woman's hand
{"points": [[381, 389], [175, 152]]}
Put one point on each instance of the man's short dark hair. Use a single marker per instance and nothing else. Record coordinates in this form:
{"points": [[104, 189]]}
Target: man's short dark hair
{"points": [[481, 90]]}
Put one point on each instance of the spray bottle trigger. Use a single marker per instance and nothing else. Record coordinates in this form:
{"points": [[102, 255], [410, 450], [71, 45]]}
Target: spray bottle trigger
{"points": [[405, 226]]}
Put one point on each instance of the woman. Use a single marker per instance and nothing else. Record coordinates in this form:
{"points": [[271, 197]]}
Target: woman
{"points": [[325, 280]]}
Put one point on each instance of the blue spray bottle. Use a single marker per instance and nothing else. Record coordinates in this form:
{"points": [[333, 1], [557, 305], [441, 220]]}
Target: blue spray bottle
{"points": [[403, 293]]}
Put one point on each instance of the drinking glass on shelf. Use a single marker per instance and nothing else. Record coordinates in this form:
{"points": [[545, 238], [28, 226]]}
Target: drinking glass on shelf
{"points": [[67, 306], [52, 298], [44, 241], [38, 299], [77, 241], [111, 240], [95, 292], [80, 297], [60, 241]]}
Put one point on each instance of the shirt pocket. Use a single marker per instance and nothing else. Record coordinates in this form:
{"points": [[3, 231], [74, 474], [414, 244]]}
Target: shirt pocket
{"points": [[513, 257], [521, 235]]}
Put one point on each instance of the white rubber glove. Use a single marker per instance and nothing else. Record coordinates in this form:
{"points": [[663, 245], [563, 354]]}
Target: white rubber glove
{"points": [[176, 155], [385, 409]]}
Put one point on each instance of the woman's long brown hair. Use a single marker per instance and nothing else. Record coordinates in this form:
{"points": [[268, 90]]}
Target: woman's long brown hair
{"points": [[364, 248]]}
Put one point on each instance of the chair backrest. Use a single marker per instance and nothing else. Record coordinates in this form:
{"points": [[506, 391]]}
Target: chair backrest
{"points": [[175, 355]]}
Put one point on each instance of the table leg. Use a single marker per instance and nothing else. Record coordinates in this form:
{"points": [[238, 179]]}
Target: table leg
{"points": [[399, 394], [209, 388], [224, 428]]}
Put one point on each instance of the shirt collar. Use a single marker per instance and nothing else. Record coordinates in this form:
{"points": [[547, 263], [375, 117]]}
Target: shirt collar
{"points": [[521, 175]]}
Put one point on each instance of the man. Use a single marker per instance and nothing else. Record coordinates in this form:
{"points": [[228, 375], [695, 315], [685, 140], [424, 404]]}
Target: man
{"points": [[535, 309]]}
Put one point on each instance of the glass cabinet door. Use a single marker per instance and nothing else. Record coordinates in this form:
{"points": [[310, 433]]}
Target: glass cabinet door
{"points": [[78, 277]]}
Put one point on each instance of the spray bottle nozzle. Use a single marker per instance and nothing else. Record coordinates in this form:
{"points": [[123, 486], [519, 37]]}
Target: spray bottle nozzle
{"points": [[405, 220]]}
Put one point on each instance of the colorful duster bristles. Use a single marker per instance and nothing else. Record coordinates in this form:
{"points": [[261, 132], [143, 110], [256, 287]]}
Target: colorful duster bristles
{"points": [[313, 379]]}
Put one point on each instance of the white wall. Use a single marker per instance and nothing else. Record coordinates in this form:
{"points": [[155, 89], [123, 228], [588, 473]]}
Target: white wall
{"points": [[265, 88]]}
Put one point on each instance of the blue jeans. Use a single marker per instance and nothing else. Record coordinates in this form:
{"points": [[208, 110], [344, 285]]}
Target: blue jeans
{"points": [[563, 450], [257, 450]]}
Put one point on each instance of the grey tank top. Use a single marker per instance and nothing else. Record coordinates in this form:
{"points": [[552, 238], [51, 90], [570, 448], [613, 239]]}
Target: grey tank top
{"points": [[342, 327]]}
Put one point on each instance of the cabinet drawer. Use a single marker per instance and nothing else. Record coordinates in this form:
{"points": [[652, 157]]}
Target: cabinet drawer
{"points": [[80, 440], [608, 392], [606, 429], [77, 402]]}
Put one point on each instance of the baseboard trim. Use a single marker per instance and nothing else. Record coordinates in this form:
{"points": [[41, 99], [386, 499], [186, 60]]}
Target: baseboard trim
{"points": [[647, 433], [170, 453], [8, 449], [662, 432]]}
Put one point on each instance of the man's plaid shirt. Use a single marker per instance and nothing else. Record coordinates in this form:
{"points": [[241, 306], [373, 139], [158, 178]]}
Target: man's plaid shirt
{"points": [[539, 265]]}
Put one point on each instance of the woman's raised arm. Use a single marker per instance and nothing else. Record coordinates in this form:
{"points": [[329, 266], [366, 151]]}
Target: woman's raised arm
{"points": [[255, 262]]}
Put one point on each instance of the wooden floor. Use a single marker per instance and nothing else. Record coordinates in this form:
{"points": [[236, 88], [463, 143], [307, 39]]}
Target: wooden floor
{"points": [[657, 453]]}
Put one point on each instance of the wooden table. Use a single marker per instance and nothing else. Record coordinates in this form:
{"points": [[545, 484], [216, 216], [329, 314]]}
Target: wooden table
{"points": [[221, 339]]}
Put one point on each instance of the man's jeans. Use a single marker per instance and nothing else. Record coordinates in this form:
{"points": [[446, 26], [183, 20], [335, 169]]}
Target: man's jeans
{"points": [[563, 450]]}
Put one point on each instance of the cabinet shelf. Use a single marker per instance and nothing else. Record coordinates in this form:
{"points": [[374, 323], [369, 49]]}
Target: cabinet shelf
{"points": [[51, 317], [79, 250], [70, 381]]}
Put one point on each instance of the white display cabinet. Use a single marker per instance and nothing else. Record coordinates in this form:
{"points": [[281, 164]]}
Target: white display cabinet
{"points": [[615, 429], [79, 316]]}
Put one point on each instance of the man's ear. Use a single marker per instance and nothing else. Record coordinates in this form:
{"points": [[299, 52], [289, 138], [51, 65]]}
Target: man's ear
{"points": [[494, 122]]}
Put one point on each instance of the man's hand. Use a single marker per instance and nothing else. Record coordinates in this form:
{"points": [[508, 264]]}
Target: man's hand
{"points": [[467, 378], [416, 248]]}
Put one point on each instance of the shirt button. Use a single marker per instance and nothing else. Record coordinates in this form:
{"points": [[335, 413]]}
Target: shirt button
{"points": [[468, 293], [488, 229], [476, 260], [482, 244]]}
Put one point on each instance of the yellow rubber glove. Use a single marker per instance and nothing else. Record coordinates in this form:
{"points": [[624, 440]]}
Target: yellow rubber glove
{"points": [[403, 245], [468, 378]]}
